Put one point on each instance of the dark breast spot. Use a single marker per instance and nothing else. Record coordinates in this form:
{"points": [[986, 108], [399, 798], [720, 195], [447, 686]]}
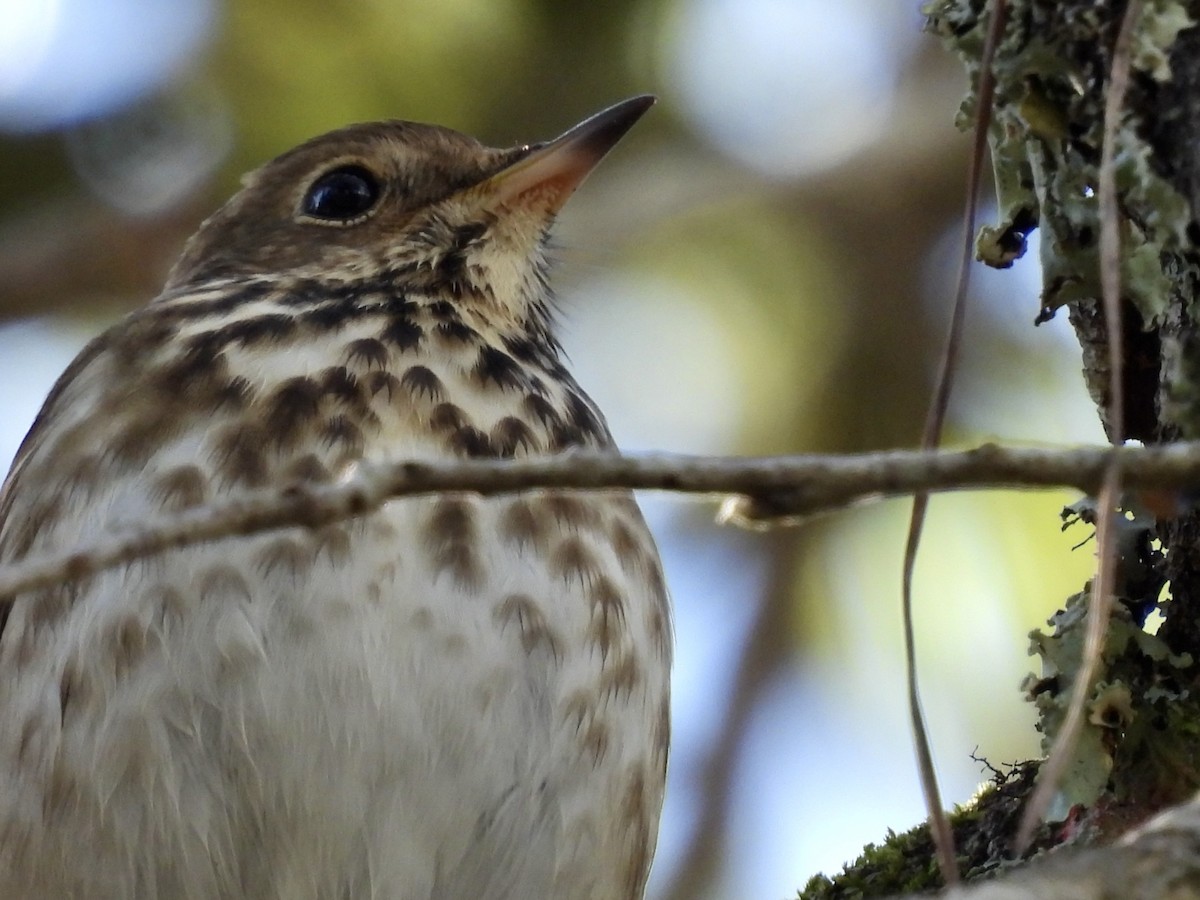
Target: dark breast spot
{"points": [[182, 487], [580, 708], [291, 410], [368, 352], [67, 688], [457, 332], [563, 437], [402, 333], [223, 583], [570, 510], [342, 386], [396, 305], [231, 297], [453, 269], [608, 627], [596, 738], [198, 365], [620, 676], [383, 382], [259, 329], [126, 640], [542, 410], [633, 545], [581, 414], [637, 832], [471, 442], [238, 451], [496, 367], [573, 561], [657, 582], [523, 613], [523, 524], [284, 557], [468, 234], [232, 395], [331, 316], [341, 433], [333, 544], [511, 437], [522, 348], [421, 382], [452, 540], [606, 600], [206, 345], [448, 418], [201, 392], [144, 430]]}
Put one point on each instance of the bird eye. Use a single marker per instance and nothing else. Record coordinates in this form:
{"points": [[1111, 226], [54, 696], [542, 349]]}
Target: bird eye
{"points": [[342, 194]]}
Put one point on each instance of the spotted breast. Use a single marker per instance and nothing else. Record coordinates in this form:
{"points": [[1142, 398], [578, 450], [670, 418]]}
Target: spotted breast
{"points": [[454, 697]]}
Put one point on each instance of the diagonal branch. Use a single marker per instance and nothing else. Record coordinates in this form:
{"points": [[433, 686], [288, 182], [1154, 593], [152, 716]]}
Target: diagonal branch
{"points": [[781, 489]]}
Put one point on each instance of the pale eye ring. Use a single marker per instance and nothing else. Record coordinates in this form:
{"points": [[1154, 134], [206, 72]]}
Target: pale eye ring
{"points": [[342, 194]]}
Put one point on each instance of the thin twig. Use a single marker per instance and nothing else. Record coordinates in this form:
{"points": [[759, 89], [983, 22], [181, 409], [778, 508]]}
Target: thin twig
{"points": [[1099, 607], [1100, 601], [796, 485], [939, 823]]}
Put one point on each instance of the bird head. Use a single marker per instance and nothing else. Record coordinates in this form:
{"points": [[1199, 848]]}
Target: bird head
{"points": [[420, 207]]}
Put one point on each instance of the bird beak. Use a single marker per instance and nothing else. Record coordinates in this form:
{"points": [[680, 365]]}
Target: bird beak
{"points": [[547, 174]]}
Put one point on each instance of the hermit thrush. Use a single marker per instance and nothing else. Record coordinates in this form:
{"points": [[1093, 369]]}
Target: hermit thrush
{"points": [[454, 697]]}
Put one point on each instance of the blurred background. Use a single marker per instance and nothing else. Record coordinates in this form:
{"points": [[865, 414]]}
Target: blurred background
{"points": [[763, 266]]}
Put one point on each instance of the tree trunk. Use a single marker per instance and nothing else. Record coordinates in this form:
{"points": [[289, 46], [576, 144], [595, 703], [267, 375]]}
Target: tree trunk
{"points": [[1140, 749]]}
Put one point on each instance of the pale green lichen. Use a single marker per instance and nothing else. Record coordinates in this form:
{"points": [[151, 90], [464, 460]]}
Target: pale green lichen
{"points": [[1139, 683], [1122, 694], [1158, 25], [1045, 138]]}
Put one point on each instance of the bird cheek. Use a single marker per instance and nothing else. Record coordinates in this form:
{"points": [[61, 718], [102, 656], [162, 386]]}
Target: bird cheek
{"points": [[509, 268], [519, 230]]}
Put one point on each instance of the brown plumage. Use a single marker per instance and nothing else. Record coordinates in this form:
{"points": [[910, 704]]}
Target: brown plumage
{"points": [[455, 697]]}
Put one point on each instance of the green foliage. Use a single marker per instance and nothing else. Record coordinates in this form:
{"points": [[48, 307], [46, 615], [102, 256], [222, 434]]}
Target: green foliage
{"points": [[903, 864], [983, 831]]}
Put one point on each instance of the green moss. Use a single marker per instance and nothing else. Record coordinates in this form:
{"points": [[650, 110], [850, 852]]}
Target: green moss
{"points": [[905, 864]]}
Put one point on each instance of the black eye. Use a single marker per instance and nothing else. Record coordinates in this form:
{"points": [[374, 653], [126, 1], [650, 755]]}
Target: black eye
{"points": [[342, 194]]}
